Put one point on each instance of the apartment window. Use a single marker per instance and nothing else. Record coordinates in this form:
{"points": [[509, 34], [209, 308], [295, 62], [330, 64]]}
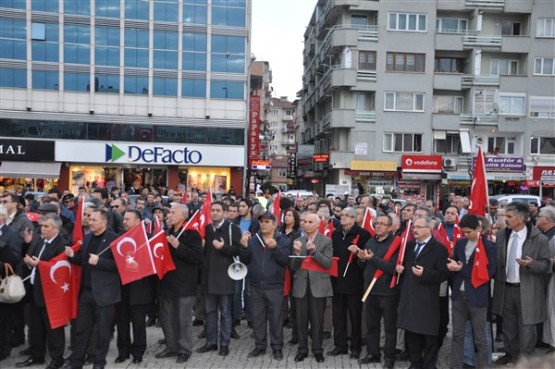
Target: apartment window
{"points": [[545, 27], [282, 172], [404, 101], [231, 13], [106, 83], [501, 145], [449, 65], [44, 6], [136, 85], [366, 60], [194, 51], [407, 22], [107, 46], [193, 88], [484, 100], [76, 82], [136, 48], [450, 145], [194, 11], [15, 4], [542, 145], [77, 7], [506, 27], [165, 50], [447, 104], [451, 25], [402, 142], [77, 44], [136, 9], [13, 78], [405, 62], [364, 101], [12, 39], [228, 54], [503, 67], [512, 104], [106, 8], [544, 66], [542, 107], [45, 80], [227, 90], [164, 86], [359, 21]]}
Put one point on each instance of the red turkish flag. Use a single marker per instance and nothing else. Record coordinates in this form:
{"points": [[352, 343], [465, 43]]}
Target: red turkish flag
{"points": [[161, 254], [310, 264], [194, 224], [367, 222], [157, 226], [479, 188], [60, 287], [479, 274], [395, 244], [133, 255], [205, 214], [445, 238], [322, 226], [287, 282], [78, 227], [329, 229], [277, 210], [400, 259], [457, 234]]}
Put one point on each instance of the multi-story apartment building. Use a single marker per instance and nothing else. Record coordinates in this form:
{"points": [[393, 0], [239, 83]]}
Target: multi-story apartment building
{"points": [[400, 93], [124, 93]]}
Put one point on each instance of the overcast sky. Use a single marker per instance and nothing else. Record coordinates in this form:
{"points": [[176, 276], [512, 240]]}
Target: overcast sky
{"points": [[278, 28]]}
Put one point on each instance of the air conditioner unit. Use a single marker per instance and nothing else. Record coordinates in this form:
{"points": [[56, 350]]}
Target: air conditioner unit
{"points": [[449, 163]]}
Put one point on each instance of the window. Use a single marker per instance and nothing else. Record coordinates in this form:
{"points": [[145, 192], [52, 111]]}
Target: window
{"points": [[227, 90], [545, 27], [231, 13], [447, 104], [164, 86], [450, 145], [135, 85], [106, 83], [107, 46], [407, 22], [402, 142], [404, 101], [282, 172], [506, 27], [76, 82], [12, 39], [165, 11], [136, 48], [194, 51], [15, 4], [501, 145], [542, 145], [13, 78], [451, 25], [405, 62], [484, 101], [77, 7], [106, 8], [542, 107], [359, 21], [45, 80], [449, 65], [364, 101], [44, 6], [544, 66], [136, 9], [367, 60], [193, 88], [512, 104], [77, 44], [228, 54], [194, 11], [45, 46], [503, 67], [165, 50]]}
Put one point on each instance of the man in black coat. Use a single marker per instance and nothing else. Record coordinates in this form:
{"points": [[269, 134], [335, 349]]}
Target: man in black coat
{"points": [[347, 290], [423, 269], [179, 287], [100, 290], [222, 244], [136, 298]]}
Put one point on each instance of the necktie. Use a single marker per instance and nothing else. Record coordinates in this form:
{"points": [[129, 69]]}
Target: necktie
{"points": [[418, 248], [511, 262], [34, 271]]}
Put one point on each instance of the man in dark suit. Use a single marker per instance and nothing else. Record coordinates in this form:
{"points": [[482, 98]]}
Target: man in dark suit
{"points": [[469, 302], [179, 287], [136, 298], [222, 243], [100, 290], [311, 288], [49, 245], [423, 270], [11, 246]]}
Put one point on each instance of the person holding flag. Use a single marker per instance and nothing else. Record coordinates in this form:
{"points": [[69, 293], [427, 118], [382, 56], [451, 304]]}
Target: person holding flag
{"points": [[347, 286], [178, 287], [473, 264]]}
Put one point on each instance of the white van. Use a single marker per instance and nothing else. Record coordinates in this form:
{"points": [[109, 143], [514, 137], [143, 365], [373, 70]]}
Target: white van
{"points": [[517, 198], [302, 193]]}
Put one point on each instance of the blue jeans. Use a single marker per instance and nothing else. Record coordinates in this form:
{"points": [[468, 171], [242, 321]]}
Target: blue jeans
{"points": [[469, 354], [211, 305]]}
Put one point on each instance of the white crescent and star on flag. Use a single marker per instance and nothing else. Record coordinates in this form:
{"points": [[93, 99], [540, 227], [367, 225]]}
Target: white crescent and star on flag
{"points": [[55, 267]]}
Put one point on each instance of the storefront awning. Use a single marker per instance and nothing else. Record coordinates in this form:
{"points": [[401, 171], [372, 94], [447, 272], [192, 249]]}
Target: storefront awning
{"points": [[29, 169], [421, 176]]}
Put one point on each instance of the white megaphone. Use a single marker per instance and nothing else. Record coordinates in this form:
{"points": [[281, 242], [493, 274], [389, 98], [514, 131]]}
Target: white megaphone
{"points": [[237, 271]]}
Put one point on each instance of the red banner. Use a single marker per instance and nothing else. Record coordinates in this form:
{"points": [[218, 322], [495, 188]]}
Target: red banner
{"points": [[254, 128]]}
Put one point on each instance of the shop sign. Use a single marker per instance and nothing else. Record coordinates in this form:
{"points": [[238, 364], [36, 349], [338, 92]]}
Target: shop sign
{"points": [[361, 149], [502, 164], [292, 165], [360, 173], [26, 150], [539, 172], [408, 185], [261, 164], [254, 127], [422, 163], [320, 158], [379, 183]]}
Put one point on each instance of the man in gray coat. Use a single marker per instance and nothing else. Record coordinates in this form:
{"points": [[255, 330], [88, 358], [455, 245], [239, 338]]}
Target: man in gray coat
{"points": [[519, 289], [311, 288]]}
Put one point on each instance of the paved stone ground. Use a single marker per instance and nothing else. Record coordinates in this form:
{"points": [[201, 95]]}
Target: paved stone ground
{"points": [[237, 358]]}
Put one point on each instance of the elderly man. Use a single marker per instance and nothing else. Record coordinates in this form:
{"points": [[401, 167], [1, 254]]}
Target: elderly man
{"points": [[266, 254], [179, 287], [423, 270], [546, 224], [100, 290], [311, 288], [519, 289], [50, 244]]}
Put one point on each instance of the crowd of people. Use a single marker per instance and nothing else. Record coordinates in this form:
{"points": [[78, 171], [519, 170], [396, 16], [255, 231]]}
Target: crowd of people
{"points": [[415, 265]]}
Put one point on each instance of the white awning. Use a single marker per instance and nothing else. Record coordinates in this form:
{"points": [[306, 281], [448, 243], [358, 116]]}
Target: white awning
{"points": [[29, 169]]}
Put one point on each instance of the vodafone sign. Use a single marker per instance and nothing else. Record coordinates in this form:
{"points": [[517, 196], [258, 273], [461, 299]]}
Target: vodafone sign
{"points": [[422, 163]]}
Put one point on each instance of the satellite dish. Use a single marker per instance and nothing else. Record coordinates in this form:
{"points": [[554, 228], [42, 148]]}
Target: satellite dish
{"points": [[237, 271]]}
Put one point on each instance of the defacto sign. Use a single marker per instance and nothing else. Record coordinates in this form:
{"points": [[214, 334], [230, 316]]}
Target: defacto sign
{"points": [[149, 153], [421, 163]]}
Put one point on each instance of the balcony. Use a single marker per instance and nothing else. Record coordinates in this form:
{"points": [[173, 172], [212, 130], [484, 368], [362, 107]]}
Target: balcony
{"points": [[343, 77], [328, 6], [474, 39], [446, 122], [447, 81], [341, 159], [368, 33], [486, 4], [479, 119], [449, 41], [365, 116], [338, 36], [342, 118], [451, 4], [481, 80], [287, 118], [287, 141], [515, 44]]}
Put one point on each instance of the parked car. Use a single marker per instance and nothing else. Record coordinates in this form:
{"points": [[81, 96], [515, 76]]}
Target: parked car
{"points": [[302, 193], [520, 198]]}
